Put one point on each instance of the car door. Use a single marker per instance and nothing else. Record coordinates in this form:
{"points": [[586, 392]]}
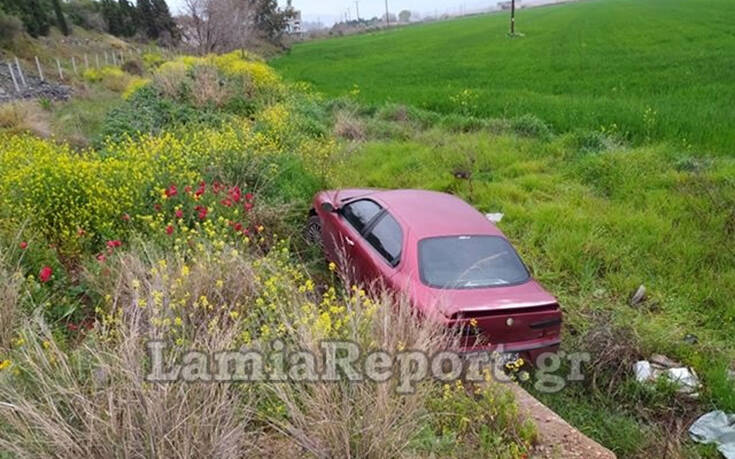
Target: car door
{"points": [[385, 239], [348, 248]]}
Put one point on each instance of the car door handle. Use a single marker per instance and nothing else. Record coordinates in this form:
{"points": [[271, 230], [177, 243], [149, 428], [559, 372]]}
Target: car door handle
{"points": [[349, 241]]}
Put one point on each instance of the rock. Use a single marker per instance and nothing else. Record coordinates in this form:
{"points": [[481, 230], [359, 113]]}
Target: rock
{"points": [[638, 296], [691, 339]]}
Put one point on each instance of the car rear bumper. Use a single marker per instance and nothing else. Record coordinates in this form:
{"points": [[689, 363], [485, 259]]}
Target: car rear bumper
{"points": [[530, 349]]}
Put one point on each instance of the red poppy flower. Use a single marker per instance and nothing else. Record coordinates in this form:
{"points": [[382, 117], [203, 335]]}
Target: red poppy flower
{"points": [[187, 189], [202, 188], [23, 245], [101, 257], [179, 213], [227, 202], [125, 217], [113, 244], [249, 197], [169, 230], [202, 213], [235, 193], [248, 206], [238, 227], [45, 274], [217, 187], [172, 191]]}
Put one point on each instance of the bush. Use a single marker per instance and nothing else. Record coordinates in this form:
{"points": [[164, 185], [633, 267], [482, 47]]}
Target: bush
{"points": [[530, 126], [10, 28], [112, 78], [24, 117], [85, 14], [586, 141], [133, 67]]}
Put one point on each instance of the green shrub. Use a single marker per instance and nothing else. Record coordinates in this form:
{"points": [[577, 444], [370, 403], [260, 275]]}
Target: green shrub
{"points": [[588, 141], [145, 112], [461, 123], [530, 126], [10, 28]]}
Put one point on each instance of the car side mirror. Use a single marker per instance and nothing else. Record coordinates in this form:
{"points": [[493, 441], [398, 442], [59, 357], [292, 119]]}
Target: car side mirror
{"points": [[328, 207]]}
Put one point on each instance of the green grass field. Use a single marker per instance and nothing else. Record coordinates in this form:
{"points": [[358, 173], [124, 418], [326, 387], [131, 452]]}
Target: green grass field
{"points": [[651, 70], [593, 224]]}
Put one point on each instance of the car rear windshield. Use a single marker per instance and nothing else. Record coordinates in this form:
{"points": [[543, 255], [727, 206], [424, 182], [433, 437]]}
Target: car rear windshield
{"points": [[456, 262]]}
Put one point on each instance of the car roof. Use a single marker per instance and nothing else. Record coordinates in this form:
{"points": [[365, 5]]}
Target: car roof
{"points": [[433, 214]]}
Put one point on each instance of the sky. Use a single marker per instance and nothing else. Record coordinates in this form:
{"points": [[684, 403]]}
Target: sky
{"points": [[329, 11]]}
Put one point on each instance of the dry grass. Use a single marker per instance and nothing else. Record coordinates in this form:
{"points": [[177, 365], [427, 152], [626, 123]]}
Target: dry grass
{"points": [[362, 419], [10, 292], [348, 125], [208, 89], [95, 402], [24, 116], [169, 79]]}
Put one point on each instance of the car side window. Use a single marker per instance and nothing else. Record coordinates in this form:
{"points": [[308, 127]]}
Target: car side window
{"points": [[387, 238], [360, 213]]}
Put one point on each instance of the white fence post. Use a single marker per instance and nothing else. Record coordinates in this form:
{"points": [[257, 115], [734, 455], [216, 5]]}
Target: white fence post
{"points": [[40, 70], [107, 62], [86, 61], [12, 75], [61, 72], [20, 72], [74, 65]]}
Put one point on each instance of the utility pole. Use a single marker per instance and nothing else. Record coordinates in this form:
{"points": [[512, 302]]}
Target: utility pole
{"points": [[357, 9], [387, 15], [512, 17]]}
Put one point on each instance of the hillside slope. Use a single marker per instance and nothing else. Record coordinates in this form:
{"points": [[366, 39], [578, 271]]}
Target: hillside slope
{"points": [[655, 69]]}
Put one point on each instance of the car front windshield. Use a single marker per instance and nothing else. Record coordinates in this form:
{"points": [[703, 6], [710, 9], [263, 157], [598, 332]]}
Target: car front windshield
{"points": [[456, 262]]}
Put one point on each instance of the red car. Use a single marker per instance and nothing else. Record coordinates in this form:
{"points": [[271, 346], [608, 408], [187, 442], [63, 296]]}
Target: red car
{"points": [[451, 261]]}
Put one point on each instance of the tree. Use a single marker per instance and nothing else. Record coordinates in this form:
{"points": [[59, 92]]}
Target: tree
{"points": [[226, 25], [155, 20], [112, 17], [270, 20], [404, 16], [33, 14], [217, 25], [164, 22], [127, 18], [60, 20]]}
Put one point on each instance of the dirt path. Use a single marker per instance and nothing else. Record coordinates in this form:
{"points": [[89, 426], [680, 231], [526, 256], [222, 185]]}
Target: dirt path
{"points": [[556, 438]]}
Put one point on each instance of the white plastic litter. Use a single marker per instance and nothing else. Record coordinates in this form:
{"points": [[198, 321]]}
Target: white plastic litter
{"points": [[716, 427], [495, 217], [684, 377], [643, 371]]}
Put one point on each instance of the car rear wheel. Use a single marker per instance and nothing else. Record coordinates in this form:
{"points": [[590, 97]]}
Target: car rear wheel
{"points": [[313, 231]]}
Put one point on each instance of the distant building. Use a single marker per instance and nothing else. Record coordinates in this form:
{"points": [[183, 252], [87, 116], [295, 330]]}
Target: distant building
{"points": [[294, 26]]}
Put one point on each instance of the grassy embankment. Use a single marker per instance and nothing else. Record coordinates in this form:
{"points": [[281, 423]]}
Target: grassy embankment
{"points": [[178, 225], [619, 177]]}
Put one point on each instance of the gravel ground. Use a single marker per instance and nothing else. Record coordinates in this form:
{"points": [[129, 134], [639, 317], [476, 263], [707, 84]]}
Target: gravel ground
{"points": [[35, 87]]}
